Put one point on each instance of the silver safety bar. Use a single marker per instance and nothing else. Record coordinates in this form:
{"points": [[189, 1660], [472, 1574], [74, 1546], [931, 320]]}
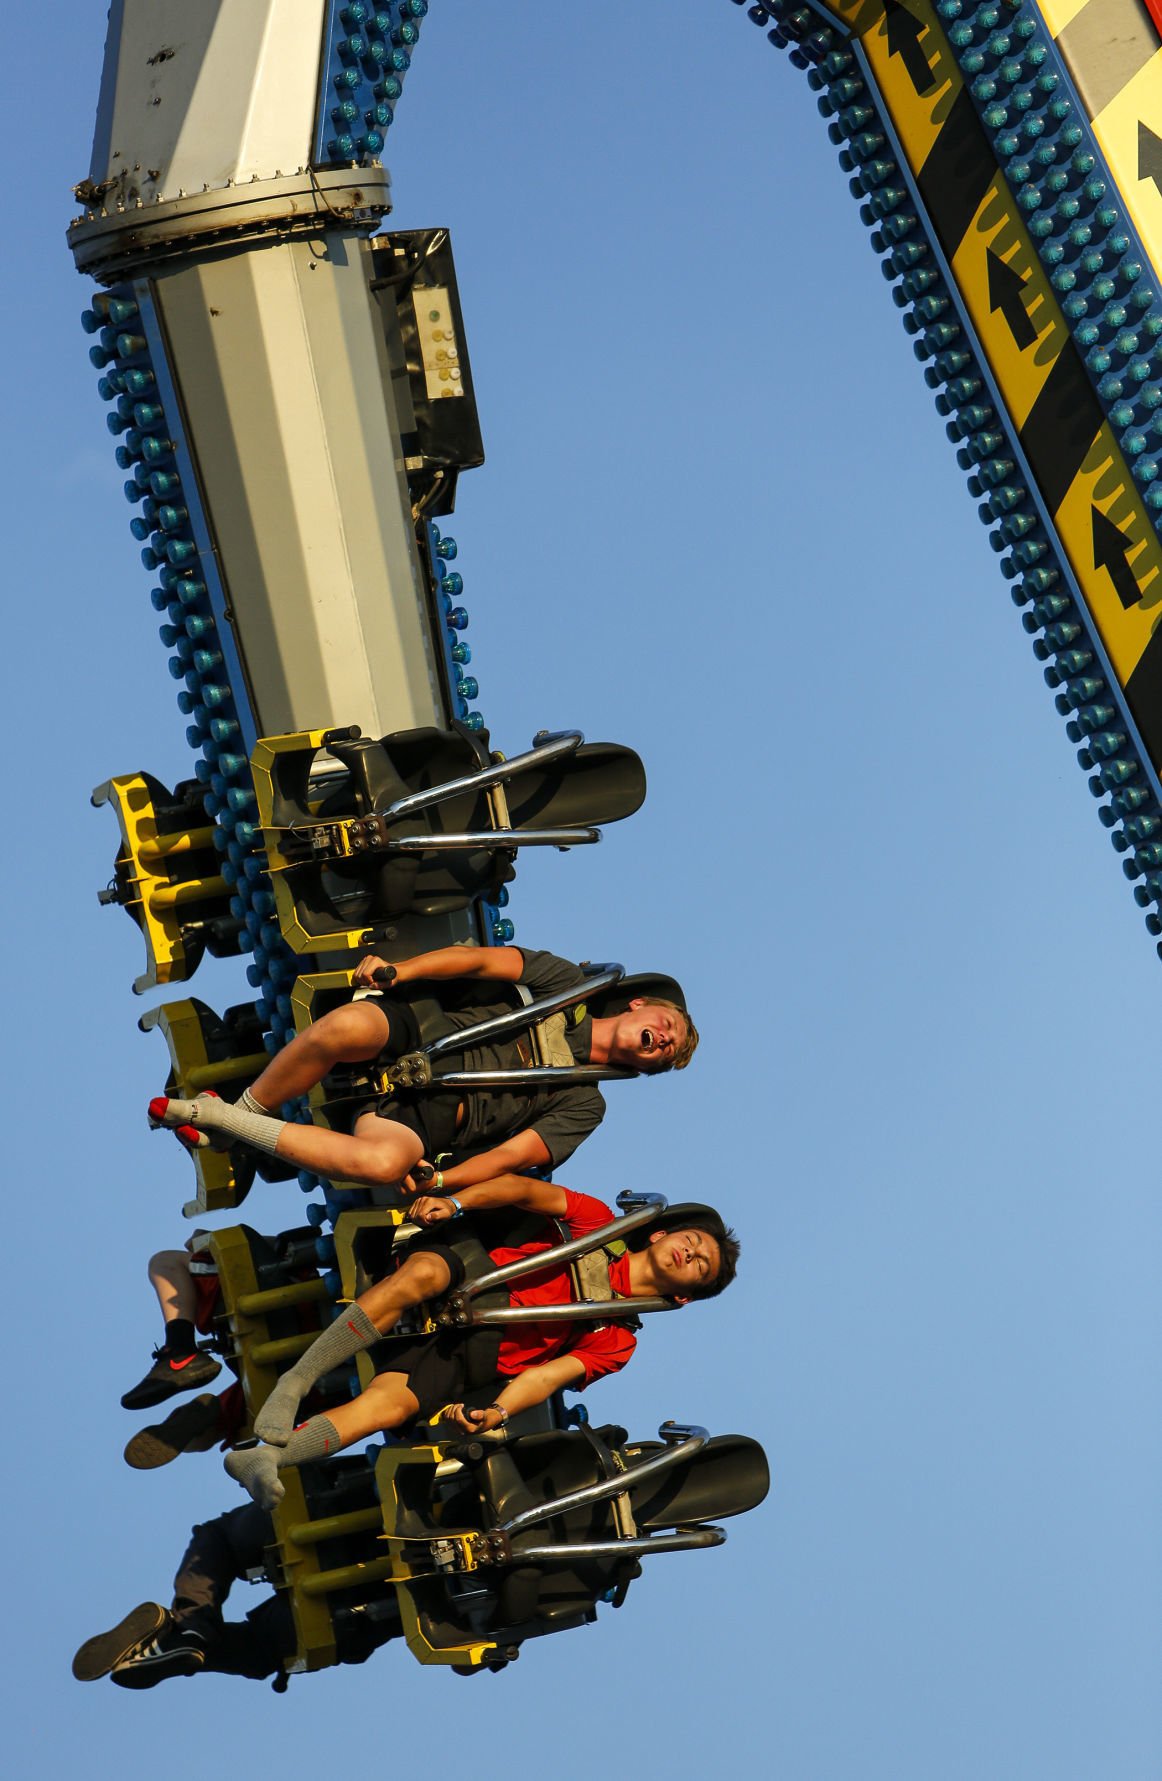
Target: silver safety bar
{"points": [[555, 747], [683, 1540], [627, 1200], [493, 838], [519, 1019], [549, 1075], [564, 1252], [576, 1311], [683, 1441]]}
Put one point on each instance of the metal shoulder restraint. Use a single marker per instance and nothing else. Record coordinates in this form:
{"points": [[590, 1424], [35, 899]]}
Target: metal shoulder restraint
{"points": [[588, 1260], [547, 1018]]}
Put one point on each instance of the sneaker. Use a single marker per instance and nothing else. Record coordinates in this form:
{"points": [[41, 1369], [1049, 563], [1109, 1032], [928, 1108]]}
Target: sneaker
{"points": [[98, 1655], [174, 1651], [169, 1374], [191, 1428]]}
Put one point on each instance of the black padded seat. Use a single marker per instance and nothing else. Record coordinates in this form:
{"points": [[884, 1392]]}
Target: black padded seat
{"points": [[728, 1477], [597, 783]]}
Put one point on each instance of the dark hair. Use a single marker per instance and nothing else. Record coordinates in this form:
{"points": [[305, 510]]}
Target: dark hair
{"points": [[728, 1250]]}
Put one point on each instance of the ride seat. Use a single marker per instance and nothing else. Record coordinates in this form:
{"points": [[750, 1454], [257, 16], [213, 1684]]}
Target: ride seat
{"points": [[425, 822]]}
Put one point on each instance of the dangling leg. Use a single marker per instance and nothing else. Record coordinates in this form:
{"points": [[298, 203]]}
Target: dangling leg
{"points": [[387, 1403], [358, 1326], [177, 1364]]}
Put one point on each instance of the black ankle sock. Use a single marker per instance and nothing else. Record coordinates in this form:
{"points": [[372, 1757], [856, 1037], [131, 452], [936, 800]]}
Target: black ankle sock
{"points": [[180, 1337]]}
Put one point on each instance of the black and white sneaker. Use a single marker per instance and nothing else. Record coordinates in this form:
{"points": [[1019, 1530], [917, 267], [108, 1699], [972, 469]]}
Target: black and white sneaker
{"points": [[175, 1651], [169, 1374], [98, 1655]]}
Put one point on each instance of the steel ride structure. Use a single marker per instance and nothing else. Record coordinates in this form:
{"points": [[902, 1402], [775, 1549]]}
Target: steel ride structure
{"points": [[1007, 158], [289, 388]]}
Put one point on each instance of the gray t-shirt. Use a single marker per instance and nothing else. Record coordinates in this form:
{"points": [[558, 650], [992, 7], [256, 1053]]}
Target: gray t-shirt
{"points": [[562, 1117]]}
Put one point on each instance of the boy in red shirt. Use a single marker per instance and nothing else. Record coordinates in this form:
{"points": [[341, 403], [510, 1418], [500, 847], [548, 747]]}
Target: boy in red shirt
{"points": [[697, 1260]]}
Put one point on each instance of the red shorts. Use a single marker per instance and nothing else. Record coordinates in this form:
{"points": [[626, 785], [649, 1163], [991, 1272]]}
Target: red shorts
{"points": [[209, 1302]]}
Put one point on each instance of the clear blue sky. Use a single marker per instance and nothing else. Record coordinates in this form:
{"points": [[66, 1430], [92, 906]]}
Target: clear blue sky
{"points": [[719, 521]]}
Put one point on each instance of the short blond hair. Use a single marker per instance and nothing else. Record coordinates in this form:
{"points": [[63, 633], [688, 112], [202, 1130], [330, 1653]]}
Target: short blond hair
{"points": [[689, 1045]]}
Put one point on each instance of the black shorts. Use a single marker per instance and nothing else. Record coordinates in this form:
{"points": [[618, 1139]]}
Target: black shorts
{"points": [[431, 1244], [448, 1368], [431, 1118], [405, 1032]]}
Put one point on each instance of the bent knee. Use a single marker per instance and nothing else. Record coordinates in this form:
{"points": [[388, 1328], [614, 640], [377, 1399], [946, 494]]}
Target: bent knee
{"points": [[351, 1033], [423, 1275], [166, 1260]]}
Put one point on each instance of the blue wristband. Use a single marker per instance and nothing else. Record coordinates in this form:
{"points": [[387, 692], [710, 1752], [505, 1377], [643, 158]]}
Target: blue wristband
{"points": [[456, 1203]]}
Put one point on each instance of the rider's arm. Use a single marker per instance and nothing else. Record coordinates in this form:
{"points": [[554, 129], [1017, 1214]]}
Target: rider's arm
{"points": [[522, 1191], [531, 1387], [497, 964], [525, 1151]]}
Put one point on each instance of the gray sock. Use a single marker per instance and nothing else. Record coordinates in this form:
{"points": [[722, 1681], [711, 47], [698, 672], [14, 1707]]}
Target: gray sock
{"points": [[218, 1118], [248, 1104], [313, 1440], [257, 1468], [351, 1332]]}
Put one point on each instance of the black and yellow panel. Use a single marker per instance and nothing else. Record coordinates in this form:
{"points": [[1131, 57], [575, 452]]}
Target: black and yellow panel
{"points": [[264, 1328], [282, 766], [167, 875], [405, 1478], [1005, 161], [211, 1051], [1113, 52], [224, 1053], [363, 1244], [307, 1545], [1100, 517]]}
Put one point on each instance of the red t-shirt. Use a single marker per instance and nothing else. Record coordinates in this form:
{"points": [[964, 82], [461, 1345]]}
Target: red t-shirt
{"points": [[602, 1348]]}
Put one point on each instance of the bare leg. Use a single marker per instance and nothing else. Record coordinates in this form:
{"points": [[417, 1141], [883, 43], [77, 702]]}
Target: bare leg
{"points": [[345, 1036], [387, 1403], [421, 1277], [379, 1153], [170, 1278], [177, 1364]]}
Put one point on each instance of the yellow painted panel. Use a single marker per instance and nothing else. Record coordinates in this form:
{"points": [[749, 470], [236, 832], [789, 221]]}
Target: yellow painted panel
{"points": [[1116, 128], [917, 116], [1103, 482], [1020, 374], [1058, 13]]}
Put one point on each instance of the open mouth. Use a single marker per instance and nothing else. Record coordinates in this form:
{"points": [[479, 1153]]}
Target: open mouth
{"points": [[649, 1039]]}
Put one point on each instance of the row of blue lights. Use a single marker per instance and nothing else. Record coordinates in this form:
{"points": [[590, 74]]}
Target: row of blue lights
{"points": [[1102, 289], [464, 687], [148, 447], [368, 53]]}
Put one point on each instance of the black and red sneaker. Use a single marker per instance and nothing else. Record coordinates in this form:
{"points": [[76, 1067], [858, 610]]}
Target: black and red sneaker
{"points": [[169, 1374]]}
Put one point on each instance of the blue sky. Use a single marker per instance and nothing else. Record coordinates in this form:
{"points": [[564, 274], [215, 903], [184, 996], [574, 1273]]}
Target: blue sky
{"points": [[719, 521]]}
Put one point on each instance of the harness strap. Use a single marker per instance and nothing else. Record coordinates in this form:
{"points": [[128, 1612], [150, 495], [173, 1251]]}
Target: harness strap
{"points": [[589, 1274]]}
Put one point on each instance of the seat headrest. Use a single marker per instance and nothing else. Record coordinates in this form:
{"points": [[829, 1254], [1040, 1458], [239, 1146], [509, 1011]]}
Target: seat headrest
{"points": [[688, 1212], [649, 985]]}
